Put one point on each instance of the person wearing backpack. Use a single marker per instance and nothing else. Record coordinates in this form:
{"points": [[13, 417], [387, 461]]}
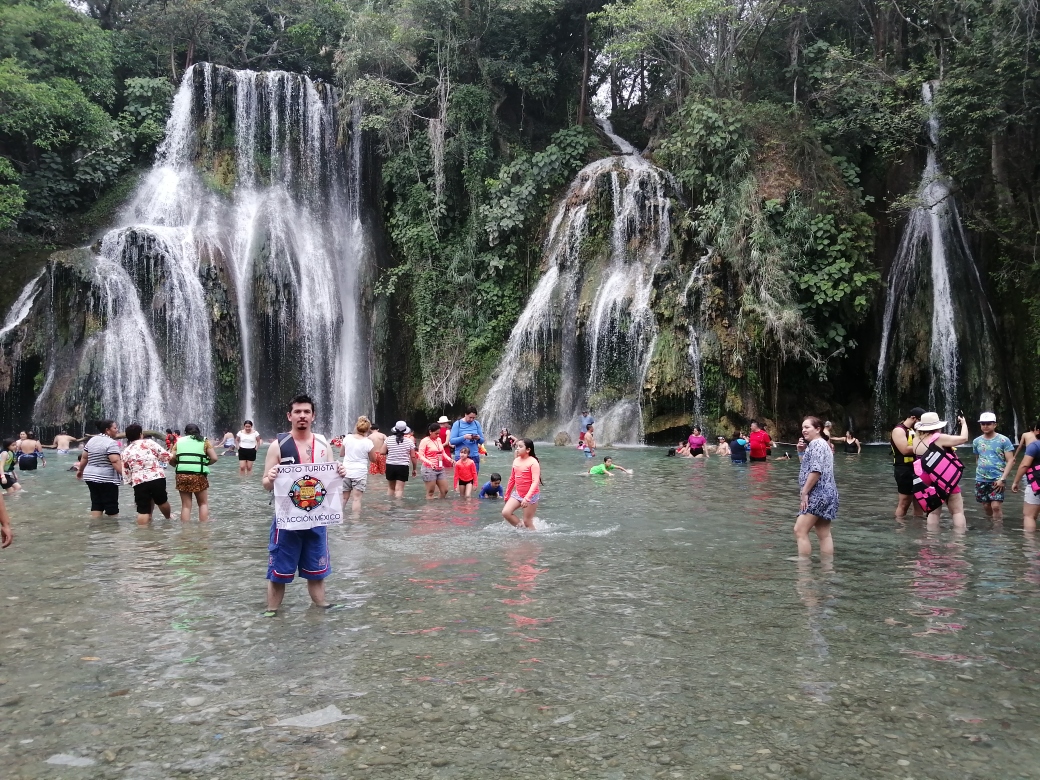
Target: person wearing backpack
{"points": [[938, 468]]}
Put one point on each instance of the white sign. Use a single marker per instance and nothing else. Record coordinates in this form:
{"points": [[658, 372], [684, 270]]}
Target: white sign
{"points": [[308, 495]]}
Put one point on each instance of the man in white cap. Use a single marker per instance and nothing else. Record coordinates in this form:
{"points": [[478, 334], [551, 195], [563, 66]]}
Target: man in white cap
{"points": [[993, 462], [444, 432]]}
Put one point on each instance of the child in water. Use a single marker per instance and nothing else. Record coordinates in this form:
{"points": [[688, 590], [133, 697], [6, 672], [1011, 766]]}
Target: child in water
{"points": [[524, 486], [465, 473], [493, 488], [606, 467]]}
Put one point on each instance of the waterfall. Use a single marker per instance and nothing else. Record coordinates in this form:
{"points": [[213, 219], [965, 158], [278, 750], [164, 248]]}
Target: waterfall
{"points": [[588, 332], [22, 306], [697, 330], [960, 315], [251, 208]]}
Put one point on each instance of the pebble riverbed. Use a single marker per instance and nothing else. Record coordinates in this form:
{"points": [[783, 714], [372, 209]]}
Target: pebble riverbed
{"points": [[656, 627]]}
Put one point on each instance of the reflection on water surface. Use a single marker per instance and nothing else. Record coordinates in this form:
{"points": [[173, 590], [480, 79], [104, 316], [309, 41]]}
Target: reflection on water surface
{"points": [[656, 628]]}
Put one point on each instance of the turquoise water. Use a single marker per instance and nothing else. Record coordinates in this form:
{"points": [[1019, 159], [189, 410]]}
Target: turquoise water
{"points": [[656, 628]]}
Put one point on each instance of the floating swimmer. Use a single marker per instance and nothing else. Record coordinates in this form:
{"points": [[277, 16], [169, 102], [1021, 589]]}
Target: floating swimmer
{"points": [[607, 466]]}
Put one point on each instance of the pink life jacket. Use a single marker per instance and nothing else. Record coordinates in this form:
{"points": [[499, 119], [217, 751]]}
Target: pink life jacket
{"points": [[1033, 477], [936, 473]]}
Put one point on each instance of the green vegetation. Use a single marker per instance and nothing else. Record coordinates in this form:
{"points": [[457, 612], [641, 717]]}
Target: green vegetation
{"points": [[794, 131]]}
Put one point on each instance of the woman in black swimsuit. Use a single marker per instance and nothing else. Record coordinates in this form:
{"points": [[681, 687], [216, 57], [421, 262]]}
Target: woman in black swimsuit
{"points": [[852, 445]]}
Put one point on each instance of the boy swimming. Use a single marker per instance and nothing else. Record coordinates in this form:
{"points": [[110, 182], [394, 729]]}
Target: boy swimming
{"points": [[492, 488], [607, 466]]}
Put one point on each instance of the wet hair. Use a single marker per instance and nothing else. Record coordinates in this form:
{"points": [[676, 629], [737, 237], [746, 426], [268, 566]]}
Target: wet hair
{"points": [[300, 399], [496, 477], [192, 430], [248, 422], [363, 425], [398, 433], [133, 432], [817, 423], [433, 427], [671, 452], [471, 409], [104, 425], [607, 458], [463, 450]]}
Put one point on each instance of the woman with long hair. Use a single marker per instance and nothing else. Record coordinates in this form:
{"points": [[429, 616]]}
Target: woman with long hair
{"points": [[523, 490], [191, 459], [819, 493]]}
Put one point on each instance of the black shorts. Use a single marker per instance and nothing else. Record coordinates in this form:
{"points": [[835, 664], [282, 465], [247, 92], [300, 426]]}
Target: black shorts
{"points": [[247, 453], [904, 475], [104, 497], [464, 482], [760, 460], [396, 473], [28, 462], [10, 479], [147, 492]]}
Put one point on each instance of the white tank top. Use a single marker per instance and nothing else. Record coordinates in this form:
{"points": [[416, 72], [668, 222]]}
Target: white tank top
{"points": [[247, 441]]}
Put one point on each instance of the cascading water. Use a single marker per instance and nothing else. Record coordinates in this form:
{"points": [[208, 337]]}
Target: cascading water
{"points": [[544, 373], [251, 207], [959, 317], [22, 306]]}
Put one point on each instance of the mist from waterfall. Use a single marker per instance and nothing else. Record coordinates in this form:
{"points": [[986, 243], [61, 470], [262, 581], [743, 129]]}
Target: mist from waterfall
{"points": [[250, 191], [590, 348]]}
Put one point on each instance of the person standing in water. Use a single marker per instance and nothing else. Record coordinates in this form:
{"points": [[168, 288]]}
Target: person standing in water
{"points": [[697, 444], [101, 467], [738, 448], [192, 457], [307, 550], [399, 448], [358, 456], [587, 421], [467, 432], [928, 433], [6, 534], [589, 442], [378, 450], [29, 452], [247, 440], [62, 443], [8, 479], [431, 460], [1026, 474], [819, 492], [902, 443], [524, 487], [228, 443], [760, 443], [992, 465], [852, 445], [143, 461]]}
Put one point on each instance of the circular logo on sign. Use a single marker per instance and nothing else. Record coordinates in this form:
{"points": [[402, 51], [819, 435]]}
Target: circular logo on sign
{"points": [[307, 493]]}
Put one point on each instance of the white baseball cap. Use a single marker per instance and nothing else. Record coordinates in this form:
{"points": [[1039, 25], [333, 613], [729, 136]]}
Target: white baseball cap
{"points": [[987, 417]]}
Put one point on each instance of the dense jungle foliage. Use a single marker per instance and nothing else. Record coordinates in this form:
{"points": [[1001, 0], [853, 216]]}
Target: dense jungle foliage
{"points": [[794, 130]]}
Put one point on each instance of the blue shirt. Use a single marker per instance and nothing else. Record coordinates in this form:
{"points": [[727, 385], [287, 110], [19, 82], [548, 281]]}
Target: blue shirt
{"points": [[490, 492], [457, 437], [738, 450], [586, 421], [990, 454]]}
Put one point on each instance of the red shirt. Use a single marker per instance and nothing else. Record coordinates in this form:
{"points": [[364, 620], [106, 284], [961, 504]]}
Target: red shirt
{"points": [[760, 442], [466, 470]]}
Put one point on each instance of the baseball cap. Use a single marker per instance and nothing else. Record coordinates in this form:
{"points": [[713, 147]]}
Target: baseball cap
{"points": [[917, 412], [987, 417]]}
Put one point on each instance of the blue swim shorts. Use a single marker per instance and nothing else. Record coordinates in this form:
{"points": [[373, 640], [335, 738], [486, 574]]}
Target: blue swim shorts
{"points": [[306, 551]]}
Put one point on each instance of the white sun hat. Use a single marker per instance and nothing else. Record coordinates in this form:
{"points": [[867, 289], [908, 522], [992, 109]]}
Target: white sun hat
{"points": [[929, 422]]}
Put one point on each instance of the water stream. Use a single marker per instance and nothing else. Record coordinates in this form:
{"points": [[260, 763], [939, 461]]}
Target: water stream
{"points": [[22, 306], [589, 325]]}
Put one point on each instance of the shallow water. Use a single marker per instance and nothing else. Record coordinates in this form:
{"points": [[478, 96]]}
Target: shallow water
{"points": [[656, 628]]}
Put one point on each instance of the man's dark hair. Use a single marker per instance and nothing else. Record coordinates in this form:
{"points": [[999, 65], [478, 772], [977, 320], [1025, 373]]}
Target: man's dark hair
{"points": [[133, 432], [104, 425], [471, 409], [302, 399]]}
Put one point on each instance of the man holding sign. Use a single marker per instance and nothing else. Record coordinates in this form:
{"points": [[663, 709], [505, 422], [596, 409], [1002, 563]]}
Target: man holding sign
{"points": [[308, 497]]}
